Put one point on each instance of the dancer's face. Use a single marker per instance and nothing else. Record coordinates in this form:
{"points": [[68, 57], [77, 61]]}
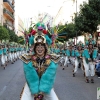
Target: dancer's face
{"points": [[90, 46], [79, 47], [40, 50]]}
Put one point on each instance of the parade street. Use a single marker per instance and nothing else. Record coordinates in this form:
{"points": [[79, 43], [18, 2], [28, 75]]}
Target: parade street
{"points": [[66, 86]]}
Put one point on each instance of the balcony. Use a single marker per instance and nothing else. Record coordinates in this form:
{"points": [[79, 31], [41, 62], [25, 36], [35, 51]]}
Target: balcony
{"points": [[8, 14], [8, 5], [8, 25]]}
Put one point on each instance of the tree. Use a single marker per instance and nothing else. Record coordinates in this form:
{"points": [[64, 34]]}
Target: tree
{"points": [[71, 31], [66, 31], [21, 40], [13, 36], [88, 17], [4, 33]]}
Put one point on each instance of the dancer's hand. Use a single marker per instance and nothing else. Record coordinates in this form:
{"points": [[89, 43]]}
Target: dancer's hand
{"points": [[37, 99]]}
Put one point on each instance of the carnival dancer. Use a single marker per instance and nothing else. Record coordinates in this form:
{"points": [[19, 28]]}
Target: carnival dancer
{"points": [[98, 65], [5, 54], [17, 48], [40, 69], [1, 56], [65, 58], [90, 55], [62, 53], [98, 62], [70, 52], [78, 58], [12, 54], [15, 57]]}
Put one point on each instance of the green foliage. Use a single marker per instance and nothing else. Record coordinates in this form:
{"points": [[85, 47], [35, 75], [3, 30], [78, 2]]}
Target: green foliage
{"points": [[13, 36], [4, 33], [88, 17], [21, 40], [69, 29]]}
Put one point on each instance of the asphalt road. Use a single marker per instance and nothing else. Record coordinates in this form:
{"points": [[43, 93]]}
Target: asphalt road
{"points": [[11, 81], [66, 87]]}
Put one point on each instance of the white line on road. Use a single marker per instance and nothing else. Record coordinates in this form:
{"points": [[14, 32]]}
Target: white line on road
{"points": [[3, 90]]}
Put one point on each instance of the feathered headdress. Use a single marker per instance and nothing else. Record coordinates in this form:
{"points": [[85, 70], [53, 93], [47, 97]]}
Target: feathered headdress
{"points": [[39, 35], [90, 40]]}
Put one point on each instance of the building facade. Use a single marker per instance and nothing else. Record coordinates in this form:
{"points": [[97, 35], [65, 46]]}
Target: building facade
{"points": [[8, 14], [1, 12], [19, 26], [67, 11]]}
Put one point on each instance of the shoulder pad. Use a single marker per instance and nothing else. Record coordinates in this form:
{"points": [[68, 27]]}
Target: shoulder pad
{"points": [[25, 58], [55, 57]]}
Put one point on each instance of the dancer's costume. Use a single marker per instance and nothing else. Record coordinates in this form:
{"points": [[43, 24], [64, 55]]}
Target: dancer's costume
{"points": [[70, 52], [90, 55], [78, 58], [1, 55], [39, 73]]}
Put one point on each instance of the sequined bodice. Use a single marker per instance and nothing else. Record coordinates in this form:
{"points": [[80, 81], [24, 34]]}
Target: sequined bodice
{"points": [[40, 64]]}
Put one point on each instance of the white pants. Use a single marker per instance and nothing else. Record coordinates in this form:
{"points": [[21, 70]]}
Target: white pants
{"points": [[77, 64], [66, 61], [13, 56], [2, 59], [72, 59], [89, 68], [17, 54], [26, 95], [5, 57], [10, 57], [62, 60]]}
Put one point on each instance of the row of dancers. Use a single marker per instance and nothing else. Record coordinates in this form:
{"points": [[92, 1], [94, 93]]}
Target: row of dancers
{"points": [[10, 53], [83, 56]]}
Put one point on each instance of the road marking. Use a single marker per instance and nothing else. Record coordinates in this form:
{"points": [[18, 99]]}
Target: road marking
{"points": [[3, 90]]}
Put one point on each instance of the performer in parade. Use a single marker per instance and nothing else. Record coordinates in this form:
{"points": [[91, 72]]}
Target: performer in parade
{"points": [[90, 55], [1, 56], [78, 58], [65, 57], [98, 65], [70, 52], [39, 69], [5, 54]]}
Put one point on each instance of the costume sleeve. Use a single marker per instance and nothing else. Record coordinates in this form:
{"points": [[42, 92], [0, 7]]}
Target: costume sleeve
{"points": [[86, 54], [47, 79], [31, 78], [73, 53], [77, 53], [67, 52]]}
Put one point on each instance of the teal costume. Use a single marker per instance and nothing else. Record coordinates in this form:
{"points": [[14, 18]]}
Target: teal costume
{"points": [[70, 53], [87, 56], [40, 72], [5, 51], [1, 51], [43, 84]]}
